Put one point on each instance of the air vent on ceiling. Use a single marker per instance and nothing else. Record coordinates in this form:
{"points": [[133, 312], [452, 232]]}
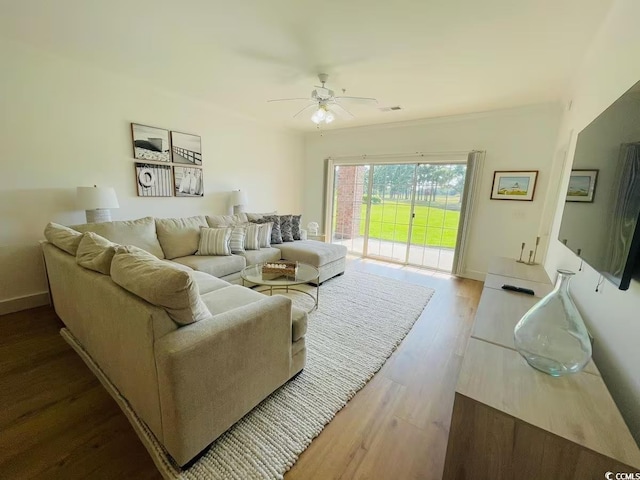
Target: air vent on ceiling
{"points": [[390, 109]]}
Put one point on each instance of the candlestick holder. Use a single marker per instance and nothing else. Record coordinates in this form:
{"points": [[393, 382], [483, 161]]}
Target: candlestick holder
{"points": [[532, 254]]}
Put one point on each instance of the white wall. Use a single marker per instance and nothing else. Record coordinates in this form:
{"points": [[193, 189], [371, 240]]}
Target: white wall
{"points": [[65, 125], [611, 67], [514, 139]]}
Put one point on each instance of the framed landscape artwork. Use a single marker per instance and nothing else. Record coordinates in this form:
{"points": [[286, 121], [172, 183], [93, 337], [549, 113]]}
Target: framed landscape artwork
{"points": [[514, 185], [150, 143], [188, 181], [153, 180], [582, 185], [186, 149]]}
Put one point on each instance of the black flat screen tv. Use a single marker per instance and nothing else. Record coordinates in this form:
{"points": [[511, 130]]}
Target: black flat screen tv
{"points": [[601, 217]]}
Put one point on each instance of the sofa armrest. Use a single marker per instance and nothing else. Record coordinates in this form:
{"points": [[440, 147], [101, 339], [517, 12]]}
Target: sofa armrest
{"points": [[211, 373]]}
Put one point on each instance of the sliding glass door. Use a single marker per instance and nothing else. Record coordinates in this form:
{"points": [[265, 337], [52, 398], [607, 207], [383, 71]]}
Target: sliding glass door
{"points": [[407, 213]]}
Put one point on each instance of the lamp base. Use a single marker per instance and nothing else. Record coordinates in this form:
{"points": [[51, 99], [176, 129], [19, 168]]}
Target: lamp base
{"points": [[98, 215], [238, 209]]}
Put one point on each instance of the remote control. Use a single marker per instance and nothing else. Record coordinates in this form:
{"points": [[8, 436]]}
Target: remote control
{"points": [[513, 288]]}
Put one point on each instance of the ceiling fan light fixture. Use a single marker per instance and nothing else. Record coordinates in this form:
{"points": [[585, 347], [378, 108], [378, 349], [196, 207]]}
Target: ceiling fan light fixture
{"points": [[322, 97], [330, 117], [319, 115]]}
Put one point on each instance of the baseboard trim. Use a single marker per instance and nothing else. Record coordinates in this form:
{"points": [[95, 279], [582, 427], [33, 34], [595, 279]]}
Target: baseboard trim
{"points": [[474, 275], [26, 302]]}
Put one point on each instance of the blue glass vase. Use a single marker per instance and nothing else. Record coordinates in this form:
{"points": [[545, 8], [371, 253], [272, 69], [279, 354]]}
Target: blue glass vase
{"points": [[551, 336]]}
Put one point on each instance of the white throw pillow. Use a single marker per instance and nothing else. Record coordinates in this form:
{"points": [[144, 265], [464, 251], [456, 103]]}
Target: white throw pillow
{"points": [[236, 242], [63, 237], [214, 241], [252, 238], [160, 283], [95, 253], [264, 234]]}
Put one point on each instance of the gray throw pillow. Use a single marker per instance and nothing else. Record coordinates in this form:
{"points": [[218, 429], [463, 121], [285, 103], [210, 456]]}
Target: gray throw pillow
{"points": [[276, 233], [295, 227], [286, 228]]}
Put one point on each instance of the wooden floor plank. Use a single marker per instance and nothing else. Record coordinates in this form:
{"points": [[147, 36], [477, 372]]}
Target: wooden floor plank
{"points": [[57, 421]]}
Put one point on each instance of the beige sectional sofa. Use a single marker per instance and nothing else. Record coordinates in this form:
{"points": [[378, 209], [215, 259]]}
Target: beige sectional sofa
{"points": [[188, 382]]}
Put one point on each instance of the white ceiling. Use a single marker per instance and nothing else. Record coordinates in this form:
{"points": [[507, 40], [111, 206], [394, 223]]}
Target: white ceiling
{"points": [[431, 57]]}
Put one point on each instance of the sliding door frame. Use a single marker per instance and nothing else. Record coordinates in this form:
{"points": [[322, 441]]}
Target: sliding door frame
{"points": [[460, 157]]}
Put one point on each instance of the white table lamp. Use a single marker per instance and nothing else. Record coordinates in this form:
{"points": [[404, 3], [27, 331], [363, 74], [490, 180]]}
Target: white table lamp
{"points": [[238, 201], [96, 201]]}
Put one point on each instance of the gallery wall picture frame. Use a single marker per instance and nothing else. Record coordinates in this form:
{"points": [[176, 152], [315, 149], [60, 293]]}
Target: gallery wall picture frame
{"points": [[582, 185], [154, 180], [519, 185], [188, 181], [186, 149], [150, 143]]}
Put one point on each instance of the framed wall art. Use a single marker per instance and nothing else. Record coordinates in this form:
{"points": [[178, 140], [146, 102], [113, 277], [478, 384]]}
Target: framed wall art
{"points": [[154, 180], [188, 181], [514, 185], [150, 143], [186, 149], [582, 185]]}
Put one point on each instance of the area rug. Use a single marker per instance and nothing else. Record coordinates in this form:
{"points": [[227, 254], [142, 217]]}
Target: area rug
{"points": [[360, 321]]}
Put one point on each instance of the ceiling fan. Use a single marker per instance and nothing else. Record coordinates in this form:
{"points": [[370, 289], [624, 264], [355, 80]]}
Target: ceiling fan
{"points": [[326, 104]]}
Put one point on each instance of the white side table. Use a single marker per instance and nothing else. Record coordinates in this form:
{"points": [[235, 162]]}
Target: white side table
{"points": [[320, 237]]}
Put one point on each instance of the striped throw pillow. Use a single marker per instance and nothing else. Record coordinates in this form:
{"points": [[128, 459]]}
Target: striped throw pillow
{"points": [[252, 240], [264, 234], [238, 235], [214, 241]]}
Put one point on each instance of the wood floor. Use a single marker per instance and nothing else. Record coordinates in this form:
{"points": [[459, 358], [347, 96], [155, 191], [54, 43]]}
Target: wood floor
{"points": [[56, 420]]}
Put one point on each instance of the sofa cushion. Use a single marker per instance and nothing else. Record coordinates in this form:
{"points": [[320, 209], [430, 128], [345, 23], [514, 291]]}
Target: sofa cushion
{"points": [[226, 220], [161, 284], [179, 237], [276, 233], [229, 298], [261, 256], [254, 217], [215, 241], [95, 253], [140, 233], [312, 252], [64, 238], [286, 228], [298, 323], [206, 283], [235, 296], [217, 266], [178, 265], [295, 227]]}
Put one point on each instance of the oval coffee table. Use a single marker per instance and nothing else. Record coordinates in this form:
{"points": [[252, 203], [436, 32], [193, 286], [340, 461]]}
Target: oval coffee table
{"points": [[305, 274]]}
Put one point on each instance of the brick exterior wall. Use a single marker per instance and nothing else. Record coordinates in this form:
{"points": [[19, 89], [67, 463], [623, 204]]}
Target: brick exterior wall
{"points": [[350, 189]]}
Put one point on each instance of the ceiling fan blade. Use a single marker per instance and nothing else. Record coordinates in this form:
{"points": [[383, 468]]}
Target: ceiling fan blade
{"points": [[340, 110], [364, 100], [305, 108], [288, 99]]}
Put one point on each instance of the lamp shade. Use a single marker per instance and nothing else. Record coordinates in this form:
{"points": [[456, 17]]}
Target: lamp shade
{"points": [[92, 198], [238, 197]]}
